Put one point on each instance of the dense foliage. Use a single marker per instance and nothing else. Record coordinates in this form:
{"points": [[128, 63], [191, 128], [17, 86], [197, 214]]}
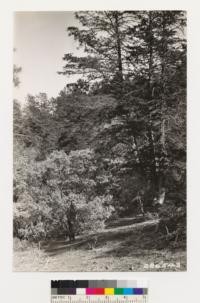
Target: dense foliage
{"points": [[114, 142]]}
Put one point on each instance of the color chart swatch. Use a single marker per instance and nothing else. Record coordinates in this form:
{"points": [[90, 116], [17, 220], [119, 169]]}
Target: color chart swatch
{"points": [[102, 291]]}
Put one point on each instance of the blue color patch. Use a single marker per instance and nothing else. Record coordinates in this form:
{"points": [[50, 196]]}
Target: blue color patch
{"points": [[128, 291]]}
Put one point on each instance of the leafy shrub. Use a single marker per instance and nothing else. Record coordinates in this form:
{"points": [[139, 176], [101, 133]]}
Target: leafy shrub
{"points": [[50, 189]]}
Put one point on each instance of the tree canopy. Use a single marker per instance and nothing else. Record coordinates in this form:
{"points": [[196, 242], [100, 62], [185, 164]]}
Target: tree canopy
{"points": [[114, 141]]}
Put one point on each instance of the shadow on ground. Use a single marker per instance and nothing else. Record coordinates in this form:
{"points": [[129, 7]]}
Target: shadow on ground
{"points": [[121, 241]]}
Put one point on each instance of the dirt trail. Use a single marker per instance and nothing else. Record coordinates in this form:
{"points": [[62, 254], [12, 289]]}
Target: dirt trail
{"points": [[55, 246], [123, 248]]}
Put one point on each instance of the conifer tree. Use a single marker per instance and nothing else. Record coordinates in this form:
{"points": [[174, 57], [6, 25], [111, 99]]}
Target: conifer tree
{"points": [[103, 37]]}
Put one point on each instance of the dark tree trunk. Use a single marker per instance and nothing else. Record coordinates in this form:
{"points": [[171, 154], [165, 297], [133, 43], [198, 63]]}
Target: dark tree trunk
{"points": [[71, 222], [71, 231], [119, 49]]}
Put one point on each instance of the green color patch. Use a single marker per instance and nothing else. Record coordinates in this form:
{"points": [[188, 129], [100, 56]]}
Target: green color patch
{"points": [[118, 291]]}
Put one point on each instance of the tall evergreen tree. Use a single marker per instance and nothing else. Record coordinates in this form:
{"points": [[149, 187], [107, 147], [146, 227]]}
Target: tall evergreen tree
{"points": [[157, 52], [103, 37]]}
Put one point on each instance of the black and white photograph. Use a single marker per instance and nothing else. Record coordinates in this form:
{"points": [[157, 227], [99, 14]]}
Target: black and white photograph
{"points": [[99, 141]]}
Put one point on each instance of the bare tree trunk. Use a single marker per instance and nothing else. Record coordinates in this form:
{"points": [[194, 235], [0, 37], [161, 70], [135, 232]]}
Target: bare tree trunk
{"points": [[163, 151], [141, 205], [154, 169], [135, 150], [150, 47], [119, 52]]}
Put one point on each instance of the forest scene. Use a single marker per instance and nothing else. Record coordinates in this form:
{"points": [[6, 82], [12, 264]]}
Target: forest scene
{"points": [[100, 169]]}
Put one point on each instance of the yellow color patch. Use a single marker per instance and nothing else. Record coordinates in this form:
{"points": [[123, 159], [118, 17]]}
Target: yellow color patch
{"points": [[109, 291]]}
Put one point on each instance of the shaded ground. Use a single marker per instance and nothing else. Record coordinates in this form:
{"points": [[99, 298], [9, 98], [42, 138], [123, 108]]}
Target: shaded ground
{"points": [[132, 247]]}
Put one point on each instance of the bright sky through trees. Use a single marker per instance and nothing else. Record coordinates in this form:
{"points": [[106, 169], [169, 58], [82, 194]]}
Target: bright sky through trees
{"points": [[40, 40]]}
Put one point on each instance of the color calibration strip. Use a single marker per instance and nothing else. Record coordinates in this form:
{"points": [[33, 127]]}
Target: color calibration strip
{"points": [[69, 291], [99, 291], [99, 284]]}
